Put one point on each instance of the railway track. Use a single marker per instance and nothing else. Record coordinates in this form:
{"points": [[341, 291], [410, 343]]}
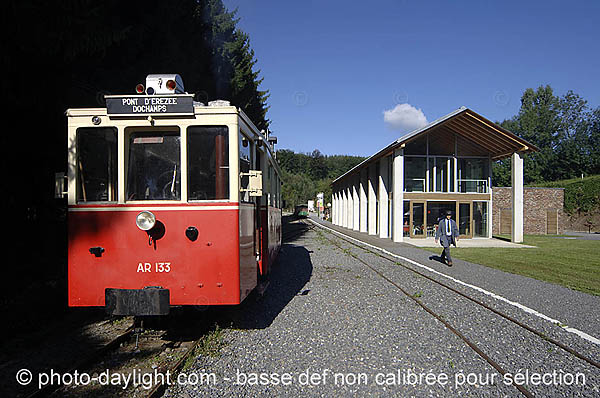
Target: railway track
{"points": [[85, 363], [293, 230], [90, 364], [525, 392]]}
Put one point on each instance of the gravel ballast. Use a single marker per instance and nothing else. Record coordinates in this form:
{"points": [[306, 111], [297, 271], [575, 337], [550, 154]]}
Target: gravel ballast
{"points": [[328, 326]]}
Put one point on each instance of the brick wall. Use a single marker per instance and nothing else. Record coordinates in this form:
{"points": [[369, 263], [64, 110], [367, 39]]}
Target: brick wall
{"points": [[536, 204]]}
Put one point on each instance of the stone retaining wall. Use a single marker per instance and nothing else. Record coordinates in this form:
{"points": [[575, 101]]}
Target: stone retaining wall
{"points": [[538, 205]]}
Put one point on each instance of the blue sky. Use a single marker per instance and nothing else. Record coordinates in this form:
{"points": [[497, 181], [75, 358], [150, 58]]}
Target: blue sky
{"points": [[334, 67]]}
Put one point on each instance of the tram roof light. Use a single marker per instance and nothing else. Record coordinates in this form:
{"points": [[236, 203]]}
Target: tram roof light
{"points": [[164, 84]]}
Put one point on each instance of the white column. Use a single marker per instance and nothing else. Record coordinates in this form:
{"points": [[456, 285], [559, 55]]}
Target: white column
{"points": [[383, 197], [363, 181], [338, 202], [490, 203], [350, 208], [333, 205], [427, 176], [517, 197], [449, 181], [398, 196], [356, 202], [372, 210], [455, 182], [334, 210], [344, 206]]}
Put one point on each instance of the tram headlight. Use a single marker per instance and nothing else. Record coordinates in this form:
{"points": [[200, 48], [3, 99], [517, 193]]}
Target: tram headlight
{"points": [[145, 221]]}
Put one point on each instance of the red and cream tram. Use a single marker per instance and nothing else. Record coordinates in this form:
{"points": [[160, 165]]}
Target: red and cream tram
{"points": [[170, 202]]}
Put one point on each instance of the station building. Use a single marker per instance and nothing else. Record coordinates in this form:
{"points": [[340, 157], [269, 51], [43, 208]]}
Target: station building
{"points": [[403, 189]]}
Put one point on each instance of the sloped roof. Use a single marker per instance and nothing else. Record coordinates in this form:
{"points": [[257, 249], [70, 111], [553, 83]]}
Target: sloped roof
{"points": [[464, 122]]}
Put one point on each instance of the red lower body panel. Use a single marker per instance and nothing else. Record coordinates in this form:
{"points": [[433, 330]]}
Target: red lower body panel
{"points": [[204, 271]]}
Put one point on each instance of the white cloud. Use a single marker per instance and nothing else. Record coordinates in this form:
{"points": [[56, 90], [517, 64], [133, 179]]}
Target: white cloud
{"points": [[404, 118]]}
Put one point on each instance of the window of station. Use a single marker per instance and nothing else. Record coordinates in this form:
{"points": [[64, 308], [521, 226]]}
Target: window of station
{"points": [[96, 164], [415, 169], [154, 166], [208, 162], [440, 172], [473, 175], [245, 149]]}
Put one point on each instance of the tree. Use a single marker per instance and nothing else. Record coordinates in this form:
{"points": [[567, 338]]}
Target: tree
{"points": [[307, 174], [573, 150], [594, 142], [318, 168], [538, 122]]}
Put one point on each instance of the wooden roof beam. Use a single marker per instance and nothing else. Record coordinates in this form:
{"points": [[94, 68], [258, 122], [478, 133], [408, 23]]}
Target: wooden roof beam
{"points": [[483, 140], [492, 136]]}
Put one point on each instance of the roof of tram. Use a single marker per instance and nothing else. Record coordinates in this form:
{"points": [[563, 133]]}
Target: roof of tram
{"points": [[463, 122]]}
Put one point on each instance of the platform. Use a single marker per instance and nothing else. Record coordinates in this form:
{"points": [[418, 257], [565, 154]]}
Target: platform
{"points": [[475, 242]]}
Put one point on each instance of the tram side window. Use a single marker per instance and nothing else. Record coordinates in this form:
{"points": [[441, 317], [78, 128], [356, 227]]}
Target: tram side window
{"points": [[208, 162], [244, 145], [154, 167], [96, 164]]}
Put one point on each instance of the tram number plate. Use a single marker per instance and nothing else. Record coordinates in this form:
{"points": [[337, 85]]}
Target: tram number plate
{"points": [[158, 267]]}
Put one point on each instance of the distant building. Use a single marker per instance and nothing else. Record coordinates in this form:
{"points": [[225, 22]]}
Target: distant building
{"points": [[402, 190]]}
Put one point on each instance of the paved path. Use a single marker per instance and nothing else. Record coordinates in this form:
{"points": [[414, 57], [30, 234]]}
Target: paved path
{"points": [[583, 235], [330, 327], [476, 242]]}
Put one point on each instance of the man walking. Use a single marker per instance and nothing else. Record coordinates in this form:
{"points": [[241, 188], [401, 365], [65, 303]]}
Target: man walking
{"points": [[447, 233]]}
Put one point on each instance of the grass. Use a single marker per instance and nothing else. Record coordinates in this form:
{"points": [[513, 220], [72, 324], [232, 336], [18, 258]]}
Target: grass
{"points": [[573, 263]]}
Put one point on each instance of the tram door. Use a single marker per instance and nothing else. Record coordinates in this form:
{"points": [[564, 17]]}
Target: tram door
{"points": [[261, 227]]}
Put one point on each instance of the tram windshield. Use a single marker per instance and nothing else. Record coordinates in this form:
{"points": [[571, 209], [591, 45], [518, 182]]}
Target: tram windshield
{"points": [[154, 167]]}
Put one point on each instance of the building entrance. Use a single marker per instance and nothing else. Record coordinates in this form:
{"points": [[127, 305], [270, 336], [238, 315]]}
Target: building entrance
{"points": [[421, 217]]}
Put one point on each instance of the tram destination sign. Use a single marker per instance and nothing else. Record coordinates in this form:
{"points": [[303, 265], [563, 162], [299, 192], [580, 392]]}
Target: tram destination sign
{"points": [[129, 105]]}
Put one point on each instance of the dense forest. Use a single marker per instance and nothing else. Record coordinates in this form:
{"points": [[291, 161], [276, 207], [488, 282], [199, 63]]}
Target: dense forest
{"points": [[306, 174], [67, 54]]}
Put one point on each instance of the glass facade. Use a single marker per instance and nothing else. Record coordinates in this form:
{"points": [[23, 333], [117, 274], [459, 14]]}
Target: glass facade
{"points": [[442, 171]]}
